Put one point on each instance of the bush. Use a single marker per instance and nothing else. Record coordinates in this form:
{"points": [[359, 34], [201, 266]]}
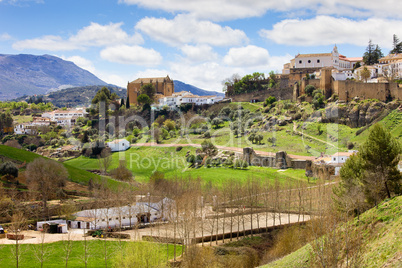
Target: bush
{"points": [[9, 168], [309, 90], [179, 148], [270, 100]]}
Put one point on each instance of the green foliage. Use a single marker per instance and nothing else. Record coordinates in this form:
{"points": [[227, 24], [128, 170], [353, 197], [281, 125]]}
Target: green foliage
{"points": [[104, 95], [396, 45], [309, 89], [270, 100], [373, 54], [149, 90], [217, 122], [372, 174], [248, 83], [9, 168], [144, 99]]}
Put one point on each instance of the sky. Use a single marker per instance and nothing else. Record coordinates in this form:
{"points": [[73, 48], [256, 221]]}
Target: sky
{"points": [[199, 42]]}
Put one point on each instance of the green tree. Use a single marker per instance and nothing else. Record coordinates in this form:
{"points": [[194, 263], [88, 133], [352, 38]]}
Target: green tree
{"points": [[365, 74], [396, 45], [128, 101], [380, 155], [373, 54], [149, 90], [309, 89], [9, 168], [372, 174], [270, 100], [144, 99]]}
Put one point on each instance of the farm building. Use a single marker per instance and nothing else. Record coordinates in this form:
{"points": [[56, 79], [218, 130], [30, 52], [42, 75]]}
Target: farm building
{"points": [[142, 212], [118, 145], [53, 226]]}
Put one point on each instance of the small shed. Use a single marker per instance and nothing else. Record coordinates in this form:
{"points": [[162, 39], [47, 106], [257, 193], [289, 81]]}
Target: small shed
{"points": [[118, 145], [53, 226]]}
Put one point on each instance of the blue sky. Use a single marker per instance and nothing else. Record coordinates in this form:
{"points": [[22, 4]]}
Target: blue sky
{"points": [[200, 42]]}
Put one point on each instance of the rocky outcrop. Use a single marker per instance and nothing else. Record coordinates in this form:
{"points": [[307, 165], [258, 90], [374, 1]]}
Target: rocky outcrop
{"points": [[356, 114]]}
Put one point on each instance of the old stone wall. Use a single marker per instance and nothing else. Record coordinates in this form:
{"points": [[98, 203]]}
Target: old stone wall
{"points": [[322, 171], [280, 160], [278, 93]]}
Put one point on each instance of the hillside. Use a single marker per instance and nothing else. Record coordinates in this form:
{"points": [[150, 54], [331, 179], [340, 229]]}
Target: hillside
{"points": [[76, 96], [75, 174], [382, 238], [30, 74], [180, 86]]}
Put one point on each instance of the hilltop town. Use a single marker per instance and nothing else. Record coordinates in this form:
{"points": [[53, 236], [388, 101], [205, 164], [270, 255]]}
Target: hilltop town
{"points": [[238, 175]]}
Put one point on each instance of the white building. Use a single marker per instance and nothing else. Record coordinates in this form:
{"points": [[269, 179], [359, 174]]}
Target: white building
{"points": [[25, 128], [322, 60], [142, 212], [118, 145], [185, 97], [65, 117], [61, 225], [338, 159]]}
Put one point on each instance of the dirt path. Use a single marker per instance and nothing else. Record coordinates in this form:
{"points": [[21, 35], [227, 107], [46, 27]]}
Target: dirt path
{"points": [[311, 137]]}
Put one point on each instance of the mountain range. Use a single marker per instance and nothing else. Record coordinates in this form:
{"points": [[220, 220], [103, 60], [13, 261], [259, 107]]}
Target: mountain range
{"points": [[30, 74], [59, 81]]}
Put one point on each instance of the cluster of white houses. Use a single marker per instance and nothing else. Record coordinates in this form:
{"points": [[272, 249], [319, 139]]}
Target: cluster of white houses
{"points": [[345, 68], [65, 118], [185, 97]]}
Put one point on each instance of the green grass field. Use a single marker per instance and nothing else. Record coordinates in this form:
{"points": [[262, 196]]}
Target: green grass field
{"points": [[143, 161], [75, 174], [55, 253], [381, 230]]}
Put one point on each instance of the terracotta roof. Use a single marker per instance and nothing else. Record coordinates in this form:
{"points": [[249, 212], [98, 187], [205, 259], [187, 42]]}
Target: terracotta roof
{"points": [[392, 57], [342, 154], [151, 80], [313, 55], [354, 59]]}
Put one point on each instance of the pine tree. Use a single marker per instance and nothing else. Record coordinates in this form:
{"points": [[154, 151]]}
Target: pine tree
{"points": [[373, 54], [396, 45], [128, 101], [122, 102]]}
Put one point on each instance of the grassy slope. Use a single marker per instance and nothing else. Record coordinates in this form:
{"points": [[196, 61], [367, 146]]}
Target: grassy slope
{"points": [[381, 228], [55, 254], [143, 161], [75, 174]]}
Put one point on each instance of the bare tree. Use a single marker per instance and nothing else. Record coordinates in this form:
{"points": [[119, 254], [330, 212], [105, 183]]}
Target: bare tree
{"points": [[105, 159], [67, 246], [42, 249], [17, 225], [47, 177]]}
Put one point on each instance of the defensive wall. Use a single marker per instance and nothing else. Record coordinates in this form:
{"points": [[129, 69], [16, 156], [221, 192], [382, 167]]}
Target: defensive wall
{"points": [[348, 89], [279, 160]]}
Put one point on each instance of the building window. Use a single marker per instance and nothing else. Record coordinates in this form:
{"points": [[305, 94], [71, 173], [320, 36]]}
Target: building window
{"points": [[103, 219], [110, 219], [334, 159], [300, 61], [309, 61], [318, 61]]}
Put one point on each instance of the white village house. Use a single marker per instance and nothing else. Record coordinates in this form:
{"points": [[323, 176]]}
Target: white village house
{"points": [[119, 145], [156, 208], [339, 158], [185, 97], [61, 225], [65, 117]]}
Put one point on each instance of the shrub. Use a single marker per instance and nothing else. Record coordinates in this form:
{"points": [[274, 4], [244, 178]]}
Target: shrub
{"points": [[179, 148], [309, 90], [9, 168], [270, 100]]}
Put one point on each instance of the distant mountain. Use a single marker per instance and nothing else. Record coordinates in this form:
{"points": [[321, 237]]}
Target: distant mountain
{"points": [[180, 86], [30, 74], [76, 96]]}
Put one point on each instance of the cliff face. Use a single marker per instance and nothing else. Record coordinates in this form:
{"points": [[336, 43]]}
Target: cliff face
{"points": [[30, 74], [357, 114]]}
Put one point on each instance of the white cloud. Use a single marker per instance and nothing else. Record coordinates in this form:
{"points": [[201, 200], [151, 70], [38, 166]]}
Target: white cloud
{"points": [[48, 42], [326, 30], [186, 29], [5, 36], [132, 55], [104, 35], [199, 53], [81, 62], [247, 56], [94, 35], [220, 10]]}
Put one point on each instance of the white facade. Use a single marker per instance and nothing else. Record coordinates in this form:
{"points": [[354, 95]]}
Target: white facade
{"points": [[341, 157], [65, 118], [185, 97], [118, 145], [62, 225], [25, 128], [126, 216], [321, 60]]}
